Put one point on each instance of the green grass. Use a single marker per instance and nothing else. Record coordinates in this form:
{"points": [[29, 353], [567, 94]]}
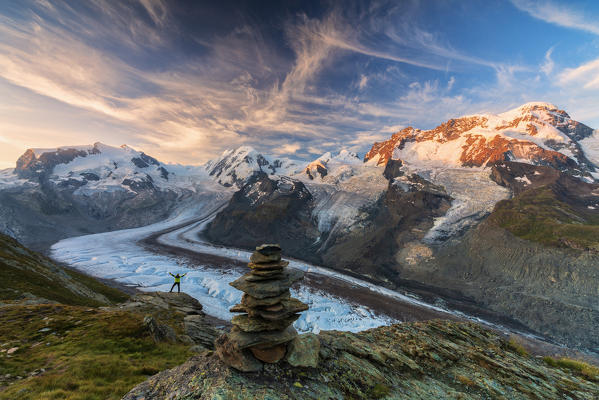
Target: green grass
{"points": [[16, 281], [87, 353], [379, 391], [112, 294], [588, 371], [25, 271], [538, 215], [515, 346]]}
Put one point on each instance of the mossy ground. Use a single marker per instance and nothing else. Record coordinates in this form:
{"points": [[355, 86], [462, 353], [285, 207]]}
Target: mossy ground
{"points": [[539, 215], [85, 353]]}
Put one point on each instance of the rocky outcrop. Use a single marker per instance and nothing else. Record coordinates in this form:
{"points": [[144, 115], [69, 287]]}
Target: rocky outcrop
{"points": [[174, 317], [263, 329], [436, 359], [267, 210]]}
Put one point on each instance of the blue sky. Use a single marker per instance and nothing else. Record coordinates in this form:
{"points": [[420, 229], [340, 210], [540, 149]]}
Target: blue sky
{"points": [[185, 80]]}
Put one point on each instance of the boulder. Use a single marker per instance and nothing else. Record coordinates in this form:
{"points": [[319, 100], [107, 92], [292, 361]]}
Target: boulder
{"points": [[303, 351], [270, 354], [230, 353], [245, 340]]}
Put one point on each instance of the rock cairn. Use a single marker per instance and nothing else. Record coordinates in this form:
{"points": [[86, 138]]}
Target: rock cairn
{"points": [[264, 328]]}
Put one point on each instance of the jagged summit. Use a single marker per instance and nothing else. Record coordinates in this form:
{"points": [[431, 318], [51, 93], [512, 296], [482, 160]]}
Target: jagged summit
{"points": [[338, 165], [536, 133], [235, 166], [98, 166]]}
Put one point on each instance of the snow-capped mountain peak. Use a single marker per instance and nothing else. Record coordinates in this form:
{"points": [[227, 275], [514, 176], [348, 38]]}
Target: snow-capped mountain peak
{"points": [[536, 133], [235, 166], [96, 167]]}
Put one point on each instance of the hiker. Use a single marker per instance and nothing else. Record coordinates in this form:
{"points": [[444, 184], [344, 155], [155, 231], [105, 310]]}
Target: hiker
{"points": [[177, 282]]}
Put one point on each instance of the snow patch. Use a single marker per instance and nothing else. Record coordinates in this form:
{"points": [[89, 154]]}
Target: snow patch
{"points": [[523, 179]]}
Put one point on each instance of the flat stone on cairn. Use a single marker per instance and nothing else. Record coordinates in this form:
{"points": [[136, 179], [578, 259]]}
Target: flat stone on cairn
{"points": [[263, 330]]}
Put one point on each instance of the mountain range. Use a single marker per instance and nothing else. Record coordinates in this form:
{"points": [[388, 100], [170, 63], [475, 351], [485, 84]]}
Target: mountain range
{"points": [[500, 210]]}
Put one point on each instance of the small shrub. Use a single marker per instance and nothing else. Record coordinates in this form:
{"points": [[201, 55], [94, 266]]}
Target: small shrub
{"points": [[465, 380], [517, 347], [379, 391], [590, 372]]}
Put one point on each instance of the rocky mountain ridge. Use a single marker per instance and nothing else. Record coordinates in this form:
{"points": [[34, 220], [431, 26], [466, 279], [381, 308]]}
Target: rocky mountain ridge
{"points": [[535, 133]]}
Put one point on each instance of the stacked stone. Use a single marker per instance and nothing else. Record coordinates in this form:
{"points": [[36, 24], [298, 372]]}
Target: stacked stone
{"points": [[264, 328]]}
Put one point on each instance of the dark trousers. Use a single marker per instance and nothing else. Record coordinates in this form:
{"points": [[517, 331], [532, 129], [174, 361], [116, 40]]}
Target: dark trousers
{"points": [[178, 287]]}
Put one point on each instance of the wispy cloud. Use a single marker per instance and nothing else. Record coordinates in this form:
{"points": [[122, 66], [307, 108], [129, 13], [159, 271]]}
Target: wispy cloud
{"points": [[342, 79], [585, 76], [548, 65], [559, 14]]}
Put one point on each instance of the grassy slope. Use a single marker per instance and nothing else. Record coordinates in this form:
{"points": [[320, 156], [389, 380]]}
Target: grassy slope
{"points": [[86, 353], [538, 215], [25, 271]]}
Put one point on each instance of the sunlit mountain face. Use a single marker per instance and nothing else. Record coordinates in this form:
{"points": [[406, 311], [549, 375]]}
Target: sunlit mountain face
{"points": [[184, 81]]}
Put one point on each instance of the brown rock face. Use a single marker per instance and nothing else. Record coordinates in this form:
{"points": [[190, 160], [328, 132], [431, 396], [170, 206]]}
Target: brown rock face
{"points": [[264, 328], [269, 354], [485, 149]]}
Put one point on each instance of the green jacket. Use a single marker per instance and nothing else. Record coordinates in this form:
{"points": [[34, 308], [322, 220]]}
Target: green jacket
{"points": [[177, 277]]}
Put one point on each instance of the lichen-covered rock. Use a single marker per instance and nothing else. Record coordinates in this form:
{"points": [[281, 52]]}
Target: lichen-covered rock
{"points": [[425, 360], [303, 351], [159, 332], [230, 353]]}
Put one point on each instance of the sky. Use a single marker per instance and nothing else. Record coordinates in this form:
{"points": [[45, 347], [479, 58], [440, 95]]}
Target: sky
{"points": [[185, 80]]}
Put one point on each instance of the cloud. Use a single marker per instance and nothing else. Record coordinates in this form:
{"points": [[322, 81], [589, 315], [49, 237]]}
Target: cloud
{"points": [[559, 14], [290, 148], [585, 76], [331, 82], [363, 82], [450, 83], [548, 65]]}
